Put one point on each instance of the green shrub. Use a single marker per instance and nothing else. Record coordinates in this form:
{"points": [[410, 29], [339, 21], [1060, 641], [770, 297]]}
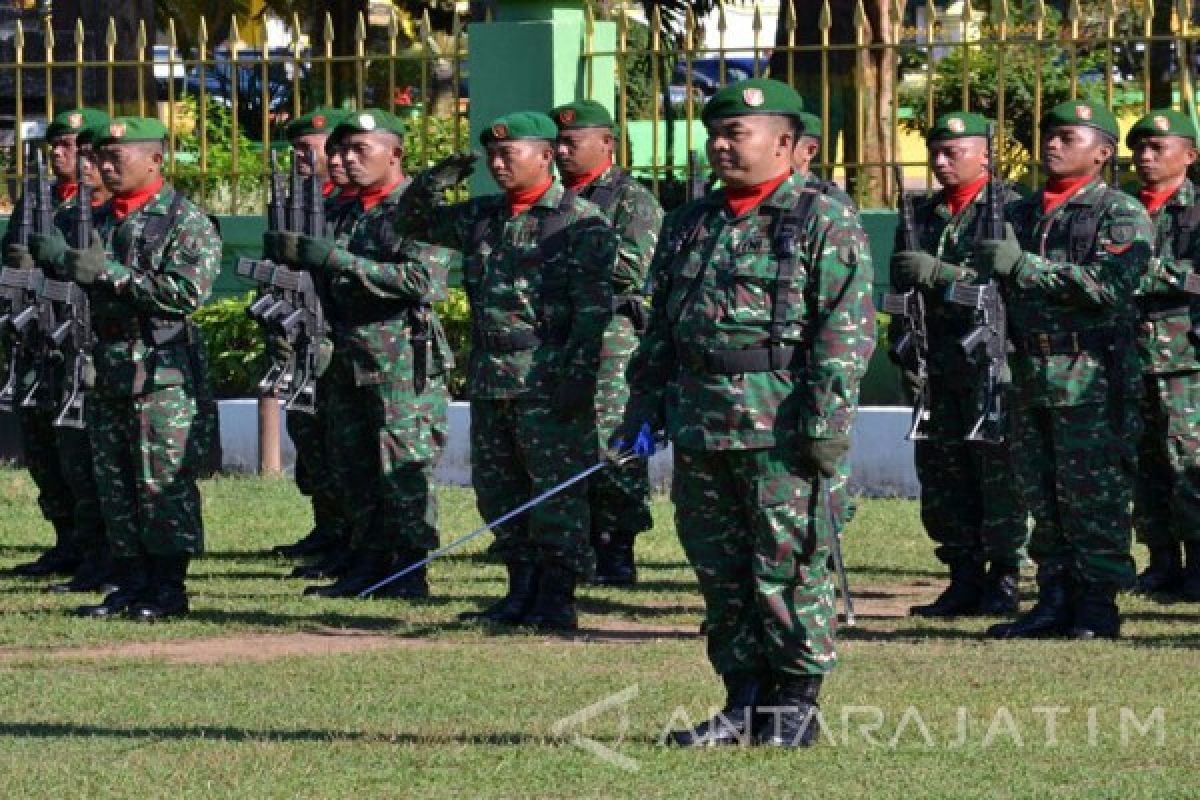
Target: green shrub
{"points": [[456, 319], [236, 355]]}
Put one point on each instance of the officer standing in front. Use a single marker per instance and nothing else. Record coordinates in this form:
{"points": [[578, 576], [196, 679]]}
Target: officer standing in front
{"points": [[619, 497], [1166, 506], [152, 262], [1069, 268], [760, 331], [971, 505]]}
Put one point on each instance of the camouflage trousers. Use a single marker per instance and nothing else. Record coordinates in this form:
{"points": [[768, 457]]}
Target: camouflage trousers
{"points": [[1077, 470], [971, 503], [39, 445], [753, 527], [378, 443], [1166, 505], [519, 449], [207, 422], [145, 456], [75, 456], [619, 498], [314, 473]]}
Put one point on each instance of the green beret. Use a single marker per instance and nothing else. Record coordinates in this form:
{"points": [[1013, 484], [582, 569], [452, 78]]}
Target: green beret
{"points": [[582, 114], [1080, 112], [319, 120], [369, 120], [74, 121], [520, 125], [121, 130], [1163, 122], [957, 125], [753, 96], [810, 124]]}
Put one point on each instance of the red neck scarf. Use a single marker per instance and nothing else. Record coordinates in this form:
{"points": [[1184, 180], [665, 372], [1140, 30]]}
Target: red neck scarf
{"points": [[521, 200], [327, 189], [372, 195], [65, 191], [1060, 190], [347, 194], [743, 198], [126, 203], [577, 182], [1154, 199], [958, 197]]}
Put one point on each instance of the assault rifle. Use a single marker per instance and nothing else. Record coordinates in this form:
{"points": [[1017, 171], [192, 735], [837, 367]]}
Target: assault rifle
{"points": [[911, 350], [986, 344], [73, 336], [288, 304], [28, 317], [696, 186]]}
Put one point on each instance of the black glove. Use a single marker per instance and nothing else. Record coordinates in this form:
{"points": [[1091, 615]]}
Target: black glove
{"points": [[824, 455]]}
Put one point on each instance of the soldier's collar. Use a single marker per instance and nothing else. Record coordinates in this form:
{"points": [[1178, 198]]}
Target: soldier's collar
{"points": [[785, 193], [160, 203], [551, 197], [1083, 195]]}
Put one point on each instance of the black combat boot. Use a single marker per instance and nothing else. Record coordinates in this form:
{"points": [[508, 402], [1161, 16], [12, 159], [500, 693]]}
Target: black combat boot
{"points": [[788, 715], [93, 575], [414, 585], [1094, 608], [512, 608], [960, 598], [132, 579], [614, 560], [167, 596], [370, 567], [332, 563], [1050, 616], [61, 559], [1000, 596], [553, 607], [315, 542], [734, 723], [1164, 573], [1189, 588]]}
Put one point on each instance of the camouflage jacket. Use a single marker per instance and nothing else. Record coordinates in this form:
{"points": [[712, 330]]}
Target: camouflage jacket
{"points": [[381, 296], [715, 284], [950, 238], [557, 298], [829, 189], [1088, 292], [1166, 309], [636, 217], [141, 322]]}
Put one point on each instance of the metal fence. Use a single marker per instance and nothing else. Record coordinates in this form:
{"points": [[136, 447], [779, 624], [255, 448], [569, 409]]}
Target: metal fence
{"points": [[226, 104], [876, 71]]}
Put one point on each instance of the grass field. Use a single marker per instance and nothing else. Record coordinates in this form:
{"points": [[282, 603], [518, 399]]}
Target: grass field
{"points": [[263, 693]]}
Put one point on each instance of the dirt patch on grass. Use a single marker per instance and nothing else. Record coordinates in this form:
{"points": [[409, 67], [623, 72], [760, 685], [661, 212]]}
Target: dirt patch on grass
{"points": [[870, 601]]}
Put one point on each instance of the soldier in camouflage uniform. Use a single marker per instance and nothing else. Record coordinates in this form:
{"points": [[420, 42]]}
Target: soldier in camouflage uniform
{"points": [[761, 328], [1069, 273], [619, 497], [1166, 509], [537, 269], [74, 444], [385, 389], [152, 262], [971, 505], [804, 154], [328, 540], [39, 438]]}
